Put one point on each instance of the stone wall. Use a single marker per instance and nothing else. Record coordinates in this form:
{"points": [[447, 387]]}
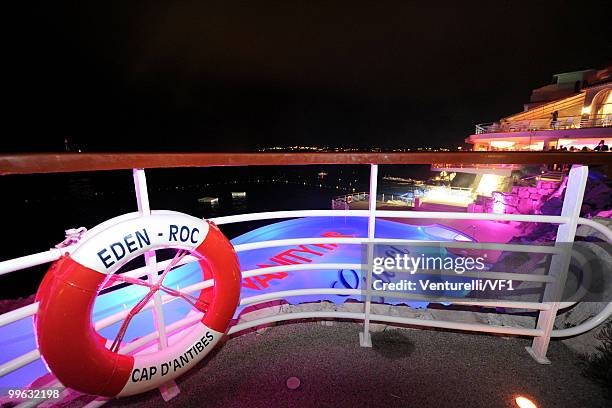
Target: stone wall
{"points": [[522, 199]]}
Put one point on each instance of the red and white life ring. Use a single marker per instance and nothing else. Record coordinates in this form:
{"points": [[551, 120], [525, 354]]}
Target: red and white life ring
{"points": [[76, 354]]}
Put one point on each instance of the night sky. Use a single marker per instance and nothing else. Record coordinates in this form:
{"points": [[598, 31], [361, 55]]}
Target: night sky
{"points": [[202, 75]]}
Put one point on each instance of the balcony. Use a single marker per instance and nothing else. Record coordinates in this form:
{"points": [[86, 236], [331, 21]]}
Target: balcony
{"points": [[562, 123]]}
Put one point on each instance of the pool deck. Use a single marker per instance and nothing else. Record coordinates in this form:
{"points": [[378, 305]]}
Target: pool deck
{"points": [[405, 368]]}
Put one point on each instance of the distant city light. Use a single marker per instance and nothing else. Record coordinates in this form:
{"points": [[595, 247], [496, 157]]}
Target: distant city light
{"points": [[329, 149], [523, 402]]}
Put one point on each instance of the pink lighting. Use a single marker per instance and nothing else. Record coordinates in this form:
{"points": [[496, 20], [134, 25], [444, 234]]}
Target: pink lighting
{"points": [[498, 207]]}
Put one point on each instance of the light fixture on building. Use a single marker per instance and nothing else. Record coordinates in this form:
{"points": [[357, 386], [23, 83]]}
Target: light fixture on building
{"points": [[536, 146], [502, 144]]}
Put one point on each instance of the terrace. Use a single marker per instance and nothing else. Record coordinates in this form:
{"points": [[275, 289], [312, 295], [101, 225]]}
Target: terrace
{"points": [[562, 123]]}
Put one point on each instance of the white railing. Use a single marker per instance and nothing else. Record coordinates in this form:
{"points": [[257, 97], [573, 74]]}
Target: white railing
{"points": [[424, 191], [541, 334], [562, 123], [344, 202]]}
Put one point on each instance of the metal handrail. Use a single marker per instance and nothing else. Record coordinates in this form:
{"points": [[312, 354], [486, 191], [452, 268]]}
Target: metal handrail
{"points": [[32, 163], [31, 309]]}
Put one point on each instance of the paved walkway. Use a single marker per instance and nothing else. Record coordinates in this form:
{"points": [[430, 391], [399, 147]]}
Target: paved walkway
{"points": [[405, 368]]}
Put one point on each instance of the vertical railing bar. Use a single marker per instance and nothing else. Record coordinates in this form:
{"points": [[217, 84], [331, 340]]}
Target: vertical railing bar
{"points": [[144, 209], [365, 339], [169, 389], [572, 203]]}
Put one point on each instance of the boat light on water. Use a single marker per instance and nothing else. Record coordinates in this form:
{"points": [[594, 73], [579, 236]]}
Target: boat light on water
{"points": [[209, 200]]}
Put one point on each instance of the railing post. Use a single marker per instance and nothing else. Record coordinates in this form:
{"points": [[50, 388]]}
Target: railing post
{"points": [[559, 265], [365, 339], [169, 390]]}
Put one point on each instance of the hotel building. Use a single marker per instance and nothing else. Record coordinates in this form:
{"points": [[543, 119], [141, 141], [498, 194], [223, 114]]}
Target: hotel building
{"points": [[573, 113]]}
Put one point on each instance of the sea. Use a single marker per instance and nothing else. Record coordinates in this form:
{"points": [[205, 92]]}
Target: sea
{"points": [[37, 209]]}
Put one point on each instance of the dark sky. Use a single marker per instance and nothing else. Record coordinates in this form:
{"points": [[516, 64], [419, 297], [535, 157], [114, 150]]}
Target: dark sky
{"points": [[202, 75]]}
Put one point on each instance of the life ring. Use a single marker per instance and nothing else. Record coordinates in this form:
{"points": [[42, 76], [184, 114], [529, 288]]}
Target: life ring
{"points": [[77, 355]]}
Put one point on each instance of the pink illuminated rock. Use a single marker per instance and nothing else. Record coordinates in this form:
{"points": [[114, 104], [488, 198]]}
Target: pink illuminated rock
{"points": [[525, 206]]}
